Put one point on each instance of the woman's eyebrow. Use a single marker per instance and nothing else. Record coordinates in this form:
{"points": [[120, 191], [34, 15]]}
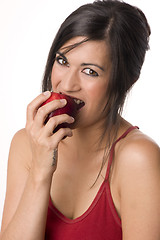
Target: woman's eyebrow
{"points": [[62, 55], [92, 64]]}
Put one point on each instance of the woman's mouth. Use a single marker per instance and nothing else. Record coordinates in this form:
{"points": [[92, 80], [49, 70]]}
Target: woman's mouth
{"points": [[79, 103]]}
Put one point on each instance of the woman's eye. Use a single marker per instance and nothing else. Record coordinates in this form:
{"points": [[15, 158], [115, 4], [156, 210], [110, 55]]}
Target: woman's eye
{"points": [[90, 72], [62, 61]]}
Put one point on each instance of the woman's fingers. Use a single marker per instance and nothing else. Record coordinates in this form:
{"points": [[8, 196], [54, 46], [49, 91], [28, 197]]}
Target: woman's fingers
{"points": [[35, 104], [38, 113], [43, 111], [60, 135], [53, 122]]}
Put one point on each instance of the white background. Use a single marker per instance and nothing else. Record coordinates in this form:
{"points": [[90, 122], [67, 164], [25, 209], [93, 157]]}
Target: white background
{"points": [[27, 29]]}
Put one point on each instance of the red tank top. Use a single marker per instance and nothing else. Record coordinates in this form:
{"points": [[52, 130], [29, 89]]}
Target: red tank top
{"points": [[99, 222]]}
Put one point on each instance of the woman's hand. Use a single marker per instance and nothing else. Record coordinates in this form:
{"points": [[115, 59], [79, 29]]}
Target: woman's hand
{"points": [[42, 140]]}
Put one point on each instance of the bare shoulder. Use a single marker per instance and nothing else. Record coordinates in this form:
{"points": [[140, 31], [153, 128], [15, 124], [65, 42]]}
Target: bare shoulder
{"points": [[20, 136], [137, 159], [138, 167], [137, 162], [19, 160], [20, 148], [19, 163], [138, 150]]}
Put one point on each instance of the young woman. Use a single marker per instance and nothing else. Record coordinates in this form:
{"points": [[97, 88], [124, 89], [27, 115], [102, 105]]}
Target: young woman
{"points": [[105, 183]]}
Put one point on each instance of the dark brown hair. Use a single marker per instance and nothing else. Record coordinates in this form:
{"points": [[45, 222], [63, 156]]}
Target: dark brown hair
{"points": [[126, 31]]}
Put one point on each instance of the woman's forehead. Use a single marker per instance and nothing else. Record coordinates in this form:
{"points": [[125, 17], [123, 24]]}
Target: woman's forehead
{"points": [[92, 47]]}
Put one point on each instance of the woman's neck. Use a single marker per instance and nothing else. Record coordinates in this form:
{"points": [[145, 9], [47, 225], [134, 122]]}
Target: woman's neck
{"points": [[89, 141], [82, 149]]}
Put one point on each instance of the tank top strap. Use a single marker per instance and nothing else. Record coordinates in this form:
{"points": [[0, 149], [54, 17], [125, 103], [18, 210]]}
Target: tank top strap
{"points": [[111, 154]]}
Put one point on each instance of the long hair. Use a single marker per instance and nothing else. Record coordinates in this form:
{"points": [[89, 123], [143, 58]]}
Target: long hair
{"points": [[125, 30]]}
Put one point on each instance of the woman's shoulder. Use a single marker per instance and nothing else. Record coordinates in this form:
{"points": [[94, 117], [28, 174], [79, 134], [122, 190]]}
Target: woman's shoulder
{"points": [[138, 170], [138, 143], [20, 147], [20, 140], [20, 134], [138, 151]]}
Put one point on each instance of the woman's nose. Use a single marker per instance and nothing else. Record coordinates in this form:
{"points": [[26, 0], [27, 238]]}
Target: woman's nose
{"points": [[70, 82]]}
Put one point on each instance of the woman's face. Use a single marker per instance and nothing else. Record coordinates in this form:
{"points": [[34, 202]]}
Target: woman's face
{"points": [[83, 73]]}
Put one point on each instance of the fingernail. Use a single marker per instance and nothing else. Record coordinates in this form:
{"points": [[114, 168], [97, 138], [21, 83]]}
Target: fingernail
{"points": [[72, 119], [46, 93], [70, 134], [63, 101]]}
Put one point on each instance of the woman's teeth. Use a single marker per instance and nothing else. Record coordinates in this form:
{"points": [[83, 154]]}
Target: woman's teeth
{"points": [[78, 101]]}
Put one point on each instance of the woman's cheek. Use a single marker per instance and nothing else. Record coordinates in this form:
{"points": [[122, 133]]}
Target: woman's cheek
{"points": [[55, 77]]}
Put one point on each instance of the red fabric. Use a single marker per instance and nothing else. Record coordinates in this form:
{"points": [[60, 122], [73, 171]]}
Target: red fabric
{"points": [[99, 222]]}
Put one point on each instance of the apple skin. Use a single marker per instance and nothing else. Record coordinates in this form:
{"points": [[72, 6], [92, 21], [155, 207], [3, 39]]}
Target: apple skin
{"points": [[70, 108]]}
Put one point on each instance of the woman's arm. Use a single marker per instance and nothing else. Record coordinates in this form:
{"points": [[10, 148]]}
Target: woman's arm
{"points": [[140, 190], [30, 172]]}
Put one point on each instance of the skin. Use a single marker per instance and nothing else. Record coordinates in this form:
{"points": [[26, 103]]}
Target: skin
{"points": [[135, 175]]}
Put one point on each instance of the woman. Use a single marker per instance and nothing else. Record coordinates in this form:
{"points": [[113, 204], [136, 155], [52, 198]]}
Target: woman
{"points": [[105, 183]]}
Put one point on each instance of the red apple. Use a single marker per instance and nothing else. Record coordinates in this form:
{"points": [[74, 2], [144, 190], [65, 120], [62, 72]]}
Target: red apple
{"points": [[70, 108]]}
